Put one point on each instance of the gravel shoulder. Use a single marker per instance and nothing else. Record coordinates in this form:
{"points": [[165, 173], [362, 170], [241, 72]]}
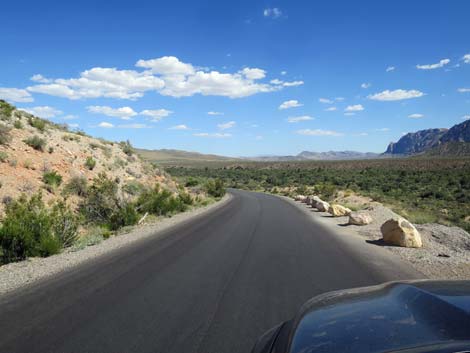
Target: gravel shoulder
{"points": [[445, 253], [19, 274]]}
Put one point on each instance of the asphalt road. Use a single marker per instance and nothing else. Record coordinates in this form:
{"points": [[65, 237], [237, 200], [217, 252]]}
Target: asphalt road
{"points": [[211, 285]]}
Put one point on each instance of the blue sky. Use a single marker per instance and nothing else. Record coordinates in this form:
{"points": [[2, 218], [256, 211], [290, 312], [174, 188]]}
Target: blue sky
{"points": [[349, 74]]}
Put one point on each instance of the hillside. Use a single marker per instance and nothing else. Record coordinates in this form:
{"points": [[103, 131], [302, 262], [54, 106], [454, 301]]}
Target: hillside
{"points": [[434, 142], [170, 156], [31, 147]]}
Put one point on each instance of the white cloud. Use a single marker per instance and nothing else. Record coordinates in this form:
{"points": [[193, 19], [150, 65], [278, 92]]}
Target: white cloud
{"points": [[253, 74], [15, 95], [70, 117], [45, 112], [297, 119], [354, 108], [283, 73], [384, 129], [325, 101], [396, 95], [156, 114], [440, 64], [212, 135], [179, 127], [105, 125], [463, 90], [390, 68], [40, 78], [167, 65], [466, 58], [124, 113], [349, 114], [290, 104], [286, 84], [466, 117], [330, 109], [227, 125], [416, 116], [166, 75], [366, 85], [272, 12], [318, 132], [214, 113], [339, 99]]}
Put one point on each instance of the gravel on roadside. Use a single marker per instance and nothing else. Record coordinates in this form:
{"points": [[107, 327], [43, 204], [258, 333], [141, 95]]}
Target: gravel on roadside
{"points": [[18, 274]]}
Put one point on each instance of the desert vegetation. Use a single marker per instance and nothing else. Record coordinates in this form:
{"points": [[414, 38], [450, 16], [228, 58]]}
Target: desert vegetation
{"points": [[422, 190]]}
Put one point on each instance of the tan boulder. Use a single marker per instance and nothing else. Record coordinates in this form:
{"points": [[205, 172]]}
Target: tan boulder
{"points": [[322, 206], [338, 210], [359, 218], [401, 232], [301, 198]]}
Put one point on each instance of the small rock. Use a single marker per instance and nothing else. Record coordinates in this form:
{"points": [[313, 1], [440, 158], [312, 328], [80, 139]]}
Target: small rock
{"points": [[443, 255], [301, 198], [359, 218], [401, 232], [338, 210], [322, 206]]}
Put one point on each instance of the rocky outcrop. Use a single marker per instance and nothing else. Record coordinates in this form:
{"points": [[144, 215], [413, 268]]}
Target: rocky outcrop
{"points": [[416, 142], [338, 210], [457, 133], [359, 218], [401, 232]]}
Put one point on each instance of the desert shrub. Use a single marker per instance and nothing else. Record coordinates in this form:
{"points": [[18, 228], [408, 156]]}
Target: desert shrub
{"points": [[36, 142], [5, 109], [65, 224], [50, 150], [27, 230], [125, 215], [37, 123], [3, 156], [191, 182], [185, 197], [101, 200], [52, 178], [28, 164], [5, 136], [159, 202], [18, 124], [70, 137], [90, 163], [133, 188], [215, 188], [127, 147], [77, 185]]}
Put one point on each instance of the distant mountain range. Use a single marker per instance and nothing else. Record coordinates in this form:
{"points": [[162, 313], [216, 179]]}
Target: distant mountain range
{"points": [[318, 156], [437, 142]]}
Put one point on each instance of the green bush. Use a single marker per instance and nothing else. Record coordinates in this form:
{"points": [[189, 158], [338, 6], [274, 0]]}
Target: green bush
{"points": [[77, 185], [3, 156], [90, 163], [28, 230], [36, 142], [37, 123], [65, 224], [52, 178], [215, 188], [127, 147], [5, 109], [159, 202], [191, 182], [17, 124], [125, 215], [5, 136], [133, 188]]}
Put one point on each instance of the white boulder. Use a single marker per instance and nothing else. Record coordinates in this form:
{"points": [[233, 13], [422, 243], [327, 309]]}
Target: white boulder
{"points": [[360, 218], [402, 233], [322, 206], [338, 210]]}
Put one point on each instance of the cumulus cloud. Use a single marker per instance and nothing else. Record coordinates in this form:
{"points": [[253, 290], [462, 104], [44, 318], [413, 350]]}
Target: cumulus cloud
{"points": [[390, 68], [463, 90], [384, 129], [214, 113], [438, 65], [105, 125], [166, 75], [45, 112], [396, 95], [283, 73], [40, 78], [298, 119], [286, 84], [325, 101], [318, 132], [15, 95], [253, 74], [339, 99], [293, 103], [330, 109], [124, 113], [354, 108], [466, 58], [366, 85], [212, 135], [156, 114], [179, 127], [227, 125], [134, 126], [416, 116], [272, 12]]}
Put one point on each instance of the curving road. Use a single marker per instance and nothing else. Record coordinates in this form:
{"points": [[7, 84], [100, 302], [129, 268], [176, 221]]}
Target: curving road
{"points": [[210, 285]]}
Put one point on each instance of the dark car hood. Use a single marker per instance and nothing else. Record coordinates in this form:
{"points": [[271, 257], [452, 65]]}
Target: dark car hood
{"points": [[390, 317]]}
